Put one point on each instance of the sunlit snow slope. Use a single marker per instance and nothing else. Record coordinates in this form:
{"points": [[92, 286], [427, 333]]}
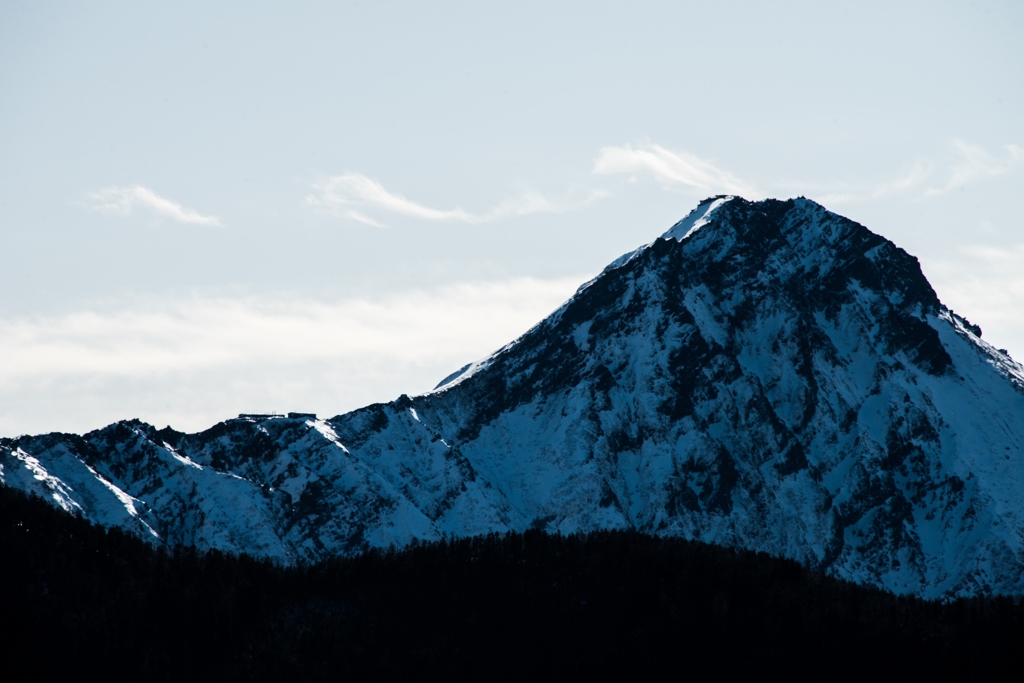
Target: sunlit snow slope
{"points": [[768, 375]]}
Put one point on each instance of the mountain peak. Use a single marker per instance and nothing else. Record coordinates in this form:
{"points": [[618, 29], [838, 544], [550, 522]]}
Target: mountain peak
{"points": [[770, 375], [699, 217]]}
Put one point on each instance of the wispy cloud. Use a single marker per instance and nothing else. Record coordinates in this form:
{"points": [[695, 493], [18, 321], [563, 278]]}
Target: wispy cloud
{"points": [[957, 164], [124, 200], [976, 162], [353, 194], [912, 179], [673, 168]]}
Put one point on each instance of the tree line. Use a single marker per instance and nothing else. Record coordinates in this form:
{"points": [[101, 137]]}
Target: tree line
{"points": [[79, 599]]}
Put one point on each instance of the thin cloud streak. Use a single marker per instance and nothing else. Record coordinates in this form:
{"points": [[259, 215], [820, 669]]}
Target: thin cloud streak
{"points": [[673, 168], [124, 200], [902, 184], [344, 193], [354, 188], [976, 162], [963, 163]]}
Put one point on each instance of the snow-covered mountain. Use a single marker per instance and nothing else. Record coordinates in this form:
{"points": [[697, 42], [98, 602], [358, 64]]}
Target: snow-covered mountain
{"points": [[768, 375]]}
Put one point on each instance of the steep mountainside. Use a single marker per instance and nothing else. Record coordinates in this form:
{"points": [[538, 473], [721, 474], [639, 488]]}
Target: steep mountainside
{"points": [[767, 375]]}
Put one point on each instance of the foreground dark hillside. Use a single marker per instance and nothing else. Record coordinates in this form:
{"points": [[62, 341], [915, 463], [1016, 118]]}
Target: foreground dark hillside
{"points": [[77, 599]]}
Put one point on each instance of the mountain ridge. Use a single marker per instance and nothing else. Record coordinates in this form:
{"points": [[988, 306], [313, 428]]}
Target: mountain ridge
{"points": [[766, 375]]}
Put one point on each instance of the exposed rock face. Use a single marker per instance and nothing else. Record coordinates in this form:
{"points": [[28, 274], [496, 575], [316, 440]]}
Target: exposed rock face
{"points": [[768, 375]]}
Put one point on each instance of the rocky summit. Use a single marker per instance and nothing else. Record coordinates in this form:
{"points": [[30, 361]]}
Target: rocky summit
{"points": [[768, 375]]}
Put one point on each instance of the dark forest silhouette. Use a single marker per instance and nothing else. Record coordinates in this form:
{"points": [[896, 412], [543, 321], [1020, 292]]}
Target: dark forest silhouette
{"points": [[79, 599]]}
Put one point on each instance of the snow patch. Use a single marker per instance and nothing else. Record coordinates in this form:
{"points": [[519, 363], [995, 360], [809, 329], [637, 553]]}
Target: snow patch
{"points": [[327, 432], [183, 459], [695, 220], [59, 491], [581, 335], [617, 263], [466, 373], [126, 500]]}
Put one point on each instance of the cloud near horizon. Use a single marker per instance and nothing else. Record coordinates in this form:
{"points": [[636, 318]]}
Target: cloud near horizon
{"points": [[985, 283], [195, 361], [351, 194], [124, 200], [672, 168]]}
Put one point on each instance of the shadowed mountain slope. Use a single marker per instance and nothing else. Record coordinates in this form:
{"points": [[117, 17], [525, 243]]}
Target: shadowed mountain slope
{"points": [[767, 375]]}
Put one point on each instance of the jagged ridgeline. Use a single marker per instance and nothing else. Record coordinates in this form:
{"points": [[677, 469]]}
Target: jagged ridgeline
{"points": [[766, 375], [80, 601]]}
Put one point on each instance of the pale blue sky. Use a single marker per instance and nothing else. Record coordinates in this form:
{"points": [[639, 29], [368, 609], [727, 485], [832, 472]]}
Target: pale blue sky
{"points": [[311, 206]]}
